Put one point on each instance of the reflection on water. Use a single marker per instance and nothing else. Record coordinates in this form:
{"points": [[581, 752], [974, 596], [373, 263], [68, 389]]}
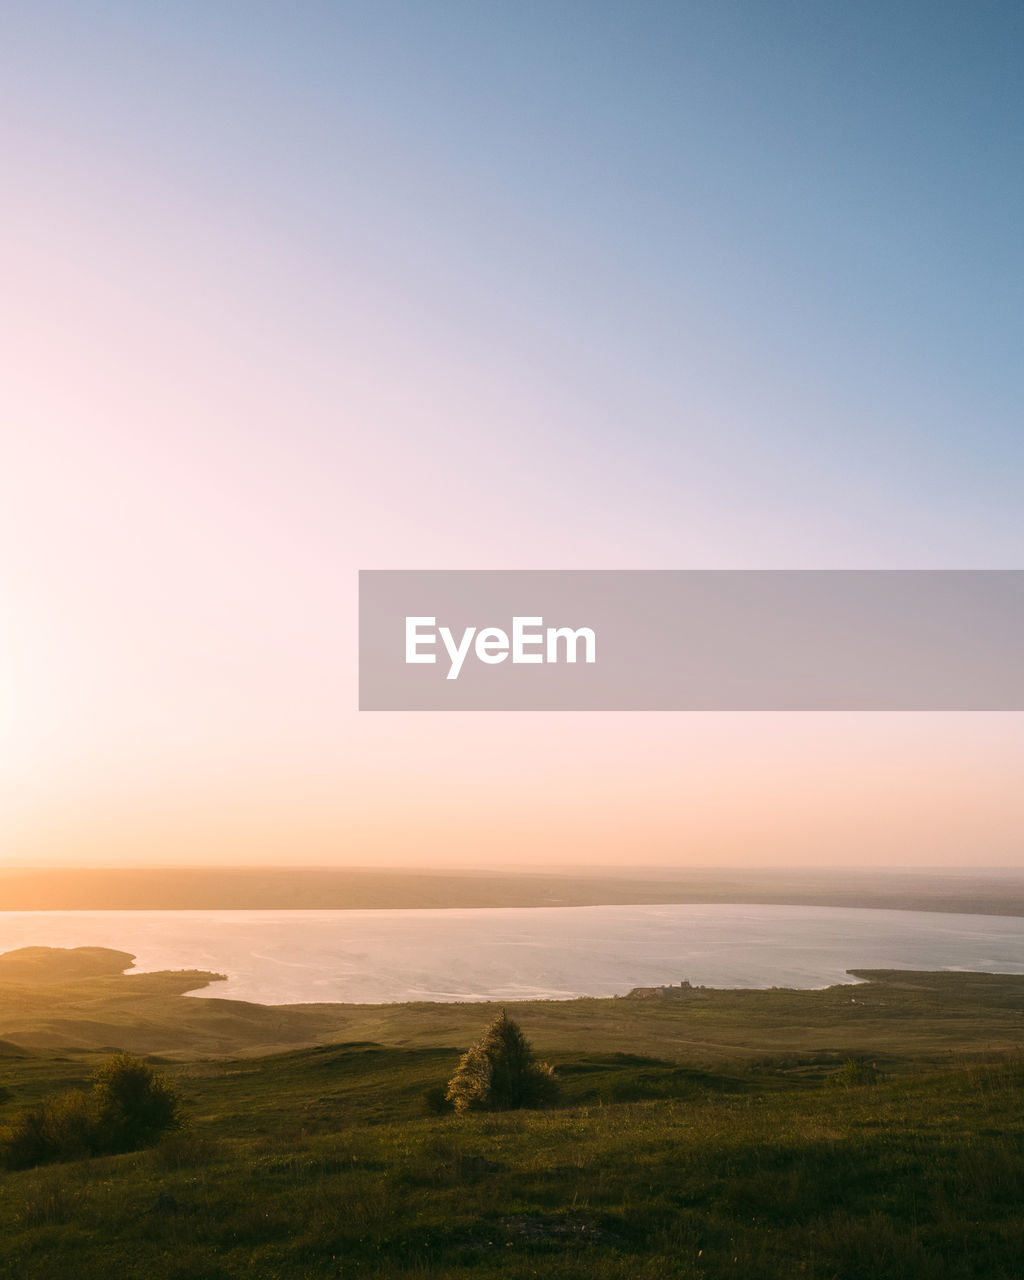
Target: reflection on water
{"points": [[517, 953]]}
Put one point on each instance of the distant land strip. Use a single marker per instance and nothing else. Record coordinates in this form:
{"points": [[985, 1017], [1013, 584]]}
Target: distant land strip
{"points": [[980, 892]]}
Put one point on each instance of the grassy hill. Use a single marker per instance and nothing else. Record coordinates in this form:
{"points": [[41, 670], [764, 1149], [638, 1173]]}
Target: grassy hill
{"points": [[700, 1134]]}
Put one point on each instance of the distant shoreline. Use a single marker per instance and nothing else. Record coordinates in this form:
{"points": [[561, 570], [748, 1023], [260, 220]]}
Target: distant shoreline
{"points": [[316, 888], [87, 1000]]}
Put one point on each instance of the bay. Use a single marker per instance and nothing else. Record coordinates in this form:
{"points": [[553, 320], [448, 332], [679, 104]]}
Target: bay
{"points": [[519, 953]]}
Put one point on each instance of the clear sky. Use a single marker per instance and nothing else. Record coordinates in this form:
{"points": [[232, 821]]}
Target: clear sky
{"points": [[290, 290]]}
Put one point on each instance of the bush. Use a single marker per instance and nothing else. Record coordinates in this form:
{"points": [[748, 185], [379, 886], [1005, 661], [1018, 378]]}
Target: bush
{"points": [[70, 1124], [134, 1106], [856, 1071], [61, 1128], [129, 1107], [25, 1142], [500, 1073]]}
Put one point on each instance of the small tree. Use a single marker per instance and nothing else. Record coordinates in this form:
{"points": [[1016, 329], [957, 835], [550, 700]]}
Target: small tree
{"points": [[134, 1106], [500, 1073]]}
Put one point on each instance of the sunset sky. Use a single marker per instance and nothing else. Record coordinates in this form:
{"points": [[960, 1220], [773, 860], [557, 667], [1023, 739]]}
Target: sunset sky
{"points": [[294, 290]]}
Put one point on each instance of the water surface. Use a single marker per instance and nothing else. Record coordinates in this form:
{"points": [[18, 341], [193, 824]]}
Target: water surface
{"points": [[518, 953]]}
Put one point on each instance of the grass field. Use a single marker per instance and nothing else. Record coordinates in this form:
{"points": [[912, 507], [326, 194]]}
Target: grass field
{"points": [[700, 1134]]}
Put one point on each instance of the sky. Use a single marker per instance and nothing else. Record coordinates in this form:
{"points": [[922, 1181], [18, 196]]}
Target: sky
{"points": [[294, 290]]}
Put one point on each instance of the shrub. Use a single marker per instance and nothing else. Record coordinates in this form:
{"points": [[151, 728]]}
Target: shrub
{"points": [[60, 1128], [24, 1143], [856, 1071], [129, 1107], [500, 1073], [134, 1105], [70, 1123]]}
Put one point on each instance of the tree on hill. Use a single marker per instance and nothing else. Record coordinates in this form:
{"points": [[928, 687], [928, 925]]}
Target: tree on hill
{"points": [[500, 1072]]}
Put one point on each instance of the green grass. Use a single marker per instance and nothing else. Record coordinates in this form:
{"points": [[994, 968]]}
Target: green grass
{"points": [[762, 1157]]}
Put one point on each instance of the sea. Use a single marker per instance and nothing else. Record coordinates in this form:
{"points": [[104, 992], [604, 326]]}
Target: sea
{"points": [[522, 953]]}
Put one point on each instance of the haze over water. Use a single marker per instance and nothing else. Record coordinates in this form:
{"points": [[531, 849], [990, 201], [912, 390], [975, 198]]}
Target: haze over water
{"points": [[508, 953]]}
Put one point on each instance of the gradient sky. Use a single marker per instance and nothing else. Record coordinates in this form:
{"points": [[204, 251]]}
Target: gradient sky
{"points": [[292, 290]]}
